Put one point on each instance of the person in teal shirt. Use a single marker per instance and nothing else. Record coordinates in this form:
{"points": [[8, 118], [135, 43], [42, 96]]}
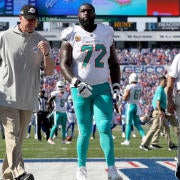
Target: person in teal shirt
{"points": [[159, 101], [159, 106]]}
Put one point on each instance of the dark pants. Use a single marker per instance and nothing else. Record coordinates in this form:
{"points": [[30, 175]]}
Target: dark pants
{"points": [[42, 123]]}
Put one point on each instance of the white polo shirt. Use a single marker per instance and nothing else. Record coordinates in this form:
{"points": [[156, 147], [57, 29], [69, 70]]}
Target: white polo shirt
{"points": [[174, 70]]}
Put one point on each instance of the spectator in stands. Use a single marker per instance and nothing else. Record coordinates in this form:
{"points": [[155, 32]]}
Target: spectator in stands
{"points": [[22, 51], [140, 57], [156, 56]]}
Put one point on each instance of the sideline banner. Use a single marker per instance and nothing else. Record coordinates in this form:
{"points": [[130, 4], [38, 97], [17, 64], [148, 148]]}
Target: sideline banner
{"points": [[145, 68]]}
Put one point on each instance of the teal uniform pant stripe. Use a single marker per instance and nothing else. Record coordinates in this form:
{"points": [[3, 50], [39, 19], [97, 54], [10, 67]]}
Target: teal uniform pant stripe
{"points": [[60, 118], [100, 107], [133, 118]]}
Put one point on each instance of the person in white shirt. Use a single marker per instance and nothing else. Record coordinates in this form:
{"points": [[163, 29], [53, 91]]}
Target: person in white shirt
{"points": [[173, 102]]}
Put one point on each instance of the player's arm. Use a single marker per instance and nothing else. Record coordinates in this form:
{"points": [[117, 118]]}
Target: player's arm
{"points": [[120, 108], [126, 94], [66, 60], [65, 63], [170, 88], [114, 69]]}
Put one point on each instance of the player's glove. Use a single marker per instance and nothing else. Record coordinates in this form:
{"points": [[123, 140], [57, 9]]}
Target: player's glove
{"points": [[116, 92], [85, 90]]}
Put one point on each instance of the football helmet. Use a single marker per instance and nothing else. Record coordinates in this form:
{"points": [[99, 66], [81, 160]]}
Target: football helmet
{"points": [[60, 85], [133, 78]]}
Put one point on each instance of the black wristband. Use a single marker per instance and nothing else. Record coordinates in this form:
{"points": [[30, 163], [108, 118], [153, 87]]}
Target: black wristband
{"points": [[76, 83]]}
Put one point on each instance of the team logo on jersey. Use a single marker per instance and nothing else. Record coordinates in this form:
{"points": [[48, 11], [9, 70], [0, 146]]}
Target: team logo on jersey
{"points": [[77, 38]]}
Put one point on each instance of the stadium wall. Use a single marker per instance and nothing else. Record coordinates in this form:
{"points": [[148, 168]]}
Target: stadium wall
{"points": [[126, 36]]}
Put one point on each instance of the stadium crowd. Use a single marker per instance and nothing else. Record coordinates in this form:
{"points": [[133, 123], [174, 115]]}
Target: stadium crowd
{"points": [[126, 57], [156, 56]]}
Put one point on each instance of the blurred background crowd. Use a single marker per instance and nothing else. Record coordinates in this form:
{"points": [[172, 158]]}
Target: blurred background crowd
{"points": [[127, 58]]}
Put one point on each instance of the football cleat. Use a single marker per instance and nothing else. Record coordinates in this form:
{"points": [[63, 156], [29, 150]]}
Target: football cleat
{"points": [[173, 147], [155, 146], [50, 141], [25, 176], [145, 148], [66, 142], [81, 173], [113, 174], [126, 143]]}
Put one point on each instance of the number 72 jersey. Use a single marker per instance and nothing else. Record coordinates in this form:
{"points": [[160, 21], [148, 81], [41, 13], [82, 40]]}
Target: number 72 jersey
{"points": [[90, 53]]}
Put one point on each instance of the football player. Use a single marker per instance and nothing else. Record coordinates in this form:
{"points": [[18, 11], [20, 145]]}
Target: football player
{"points": [[132, 95], [59, 97], [88, 59]]}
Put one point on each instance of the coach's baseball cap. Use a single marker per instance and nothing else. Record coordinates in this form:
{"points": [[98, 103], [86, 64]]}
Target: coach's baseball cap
{"points": [[29, 12]]}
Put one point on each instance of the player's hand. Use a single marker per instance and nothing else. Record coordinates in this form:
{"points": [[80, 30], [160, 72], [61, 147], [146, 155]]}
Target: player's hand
{"points": [[116, 91], [84, 89]]}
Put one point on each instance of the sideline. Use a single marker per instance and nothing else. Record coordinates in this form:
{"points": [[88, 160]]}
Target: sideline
{"points": [[130, 169]]}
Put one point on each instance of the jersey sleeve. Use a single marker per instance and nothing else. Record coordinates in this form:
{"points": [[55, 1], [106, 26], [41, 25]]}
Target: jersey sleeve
{"points": [[109, 33], [67, 34], [173, 71], [128, 87]]}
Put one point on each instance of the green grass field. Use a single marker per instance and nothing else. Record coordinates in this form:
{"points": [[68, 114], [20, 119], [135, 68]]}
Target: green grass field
{"points": [[35, 149]]}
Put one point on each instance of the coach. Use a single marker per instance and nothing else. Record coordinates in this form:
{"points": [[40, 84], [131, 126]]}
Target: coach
{"points": [[22, 51]]}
